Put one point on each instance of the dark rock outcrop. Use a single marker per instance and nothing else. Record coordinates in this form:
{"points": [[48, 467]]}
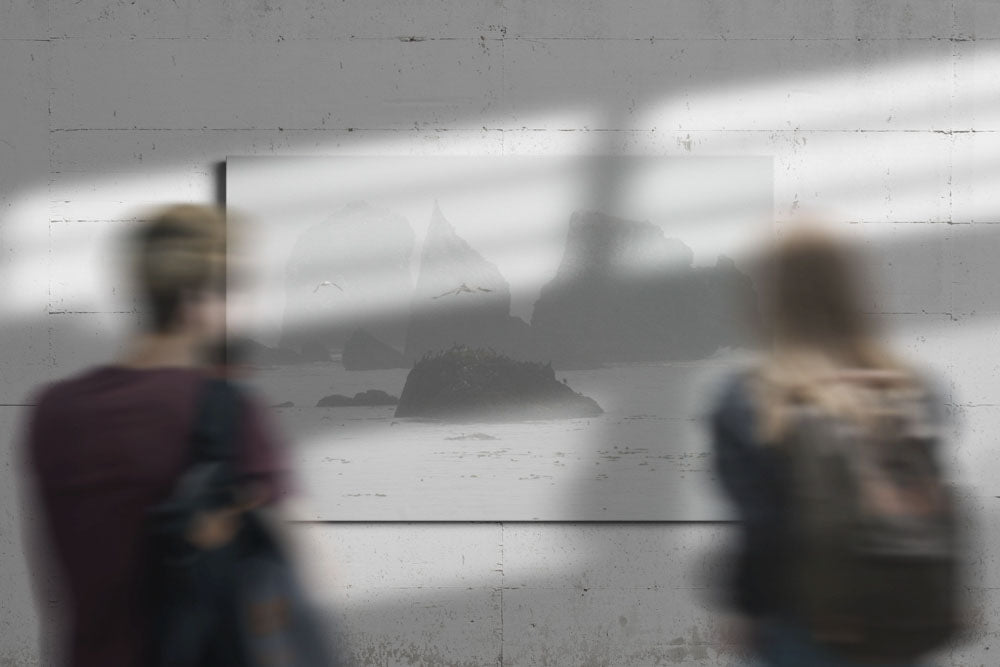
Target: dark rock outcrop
{"points": [[338, 270], [364, 352], [473, 436], [460, 299], [626, 293], [258, 354], [474, 383], [371, 397]]}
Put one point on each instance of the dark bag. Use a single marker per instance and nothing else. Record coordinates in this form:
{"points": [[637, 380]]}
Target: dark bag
{"points": [[875, 553], [238, 605]]}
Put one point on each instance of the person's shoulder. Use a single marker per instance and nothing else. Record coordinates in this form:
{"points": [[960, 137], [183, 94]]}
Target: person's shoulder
{"points": [[51, 404], [44, 395], [87, 384], [55, 392], [733, 394]]}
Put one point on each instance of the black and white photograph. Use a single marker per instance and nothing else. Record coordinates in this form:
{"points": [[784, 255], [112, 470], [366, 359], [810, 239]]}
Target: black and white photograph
{"points": [[499, 339]]}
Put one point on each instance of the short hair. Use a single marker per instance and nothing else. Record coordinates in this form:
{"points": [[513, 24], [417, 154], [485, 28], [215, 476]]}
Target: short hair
{"points": [[181, 250]]}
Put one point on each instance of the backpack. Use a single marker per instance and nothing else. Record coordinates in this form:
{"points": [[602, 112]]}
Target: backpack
{"points": [[238, 605], [874, 550]]}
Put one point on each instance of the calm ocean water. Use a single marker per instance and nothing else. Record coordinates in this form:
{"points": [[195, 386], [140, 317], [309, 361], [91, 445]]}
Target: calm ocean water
{"points": [[645, 458]]}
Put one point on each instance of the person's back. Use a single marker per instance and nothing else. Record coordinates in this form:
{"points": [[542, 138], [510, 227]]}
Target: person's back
{"points": [[105, 446], [790, 443], [829, 542]]}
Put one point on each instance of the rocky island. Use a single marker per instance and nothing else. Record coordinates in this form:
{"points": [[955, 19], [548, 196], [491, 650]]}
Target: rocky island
{"points": [[466, 383], [372, 397]]}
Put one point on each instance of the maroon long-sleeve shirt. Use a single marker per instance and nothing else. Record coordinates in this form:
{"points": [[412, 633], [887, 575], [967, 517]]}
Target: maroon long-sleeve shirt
{"points": [[104, 447]]}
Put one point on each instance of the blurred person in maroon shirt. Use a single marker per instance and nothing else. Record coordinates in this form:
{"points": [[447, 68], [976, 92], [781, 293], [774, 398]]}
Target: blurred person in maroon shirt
{"points": [[104, 446]]}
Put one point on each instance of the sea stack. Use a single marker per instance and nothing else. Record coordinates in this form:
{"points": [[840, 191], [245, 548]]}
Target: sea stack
{"points": [[477, 384], [624, 292], [460, 299]]}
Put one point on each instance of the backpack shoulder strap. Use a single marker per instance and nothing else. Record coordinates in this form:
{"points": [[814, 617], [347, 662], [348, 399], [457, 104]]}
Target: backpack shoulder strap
{"points": [[217, 416]]}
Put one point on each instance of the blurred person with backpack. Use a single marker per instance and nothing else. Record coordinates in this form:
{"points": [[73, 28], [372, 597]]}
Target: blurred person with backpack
{"points": [[828, 449], [152, 474]]}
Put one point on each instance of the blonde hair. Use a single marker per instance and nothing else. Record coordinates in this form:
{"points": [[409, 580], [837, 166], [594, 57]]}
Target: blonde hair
{"points": [[180, 251], [825, 350]]}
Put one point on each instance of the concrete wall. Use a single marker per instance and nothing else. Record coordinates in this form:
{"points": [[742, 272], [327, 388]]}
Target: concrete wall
{"points": [[886, 113]]}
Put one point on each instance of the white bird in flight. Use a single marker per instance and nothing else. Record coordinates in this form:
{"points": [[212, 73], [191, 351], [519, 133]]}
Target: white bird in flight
{"points": [[462, 288], [327, 283]]}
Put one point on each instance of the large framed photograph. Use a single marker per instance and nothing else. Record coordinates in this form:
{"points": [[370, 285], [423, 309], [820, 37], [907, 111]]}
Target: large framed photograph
{"points": [[497, 338]]}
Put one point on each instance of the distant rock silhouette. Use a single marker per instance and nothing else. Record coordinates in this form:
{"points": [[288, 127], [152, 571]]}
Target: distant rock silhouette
{"points": [[372, 397], [473, 436], [364, 352], [258, 354], [474, 383], [314, 350], [626, 293], [338, 269], [623, 292], [460, 298]]}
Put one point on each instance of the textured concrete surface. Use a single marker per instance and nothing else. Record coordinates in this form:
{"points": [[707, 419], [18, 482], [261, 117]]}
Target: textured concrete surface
{"points": [[885, 114]]}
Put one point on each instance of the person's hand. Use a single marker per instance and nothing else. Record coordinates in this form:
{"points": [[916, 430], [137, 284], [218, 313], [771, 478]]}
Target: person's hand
{"points": [[213, 529]]}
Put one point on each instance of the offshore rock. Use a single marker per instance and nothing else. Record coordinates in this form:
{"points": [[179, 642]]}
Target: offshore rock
{"points": [[364, 352], [624, 292], [258, 354], [464, 383], [371, 397], [460, 298]]}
